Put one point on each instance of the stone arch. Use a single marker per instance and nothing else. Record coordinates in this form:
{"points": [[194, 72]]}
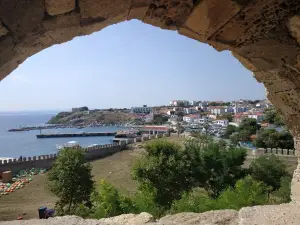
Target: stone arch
{"points": [[263, 35]]}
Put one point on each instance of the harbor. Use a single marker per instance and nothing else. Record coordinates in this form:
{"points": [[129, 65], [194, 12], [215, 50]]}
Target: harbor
{"points": [[83, 134]]}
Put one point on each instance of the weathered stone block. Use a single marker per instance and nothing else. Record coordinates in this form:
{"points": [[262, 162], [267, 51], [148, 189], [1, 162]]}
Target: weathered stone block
{"points": [[56, 7], [22, 17], [104, 8], [138, 9], [245, 62], [260, 151], [203, 19], [62, 21], [168, 14], [291, 152]]}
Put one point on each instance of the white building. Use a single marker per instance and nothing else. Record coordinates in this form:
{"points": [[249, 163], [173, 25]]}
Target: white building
{"points": [[240, 109], [217, 110], [258, 116], [223, 123], [189, 111], [211, 116], [143, 109], [204, 103], [202, 120], [190, 118], [183, 103], [194, 103]]}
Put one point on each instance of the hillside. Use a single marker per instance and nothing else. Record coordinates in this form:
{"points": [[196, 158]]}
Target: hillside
{"points": [[90, 117]]}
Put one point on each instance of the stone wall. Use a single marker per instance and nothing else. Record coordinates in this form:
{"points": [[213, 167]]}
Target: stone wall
{"points": [[276, 151], [95, 152], [46, 161]]}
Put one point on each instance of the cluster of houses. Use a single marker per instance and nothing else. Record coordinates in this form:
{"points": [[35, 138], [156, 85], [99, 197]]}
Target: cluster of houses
{"points": [[197, 114]]}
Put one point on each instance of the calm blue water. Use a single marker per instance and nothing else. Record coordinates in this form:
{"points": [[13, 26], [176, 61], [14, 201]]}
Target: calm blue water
{"points": [[15, 144]]}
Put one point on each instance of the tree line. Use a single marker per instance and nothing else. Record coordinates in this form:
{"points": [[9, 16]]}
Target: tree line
{"points": [[201, 175]]}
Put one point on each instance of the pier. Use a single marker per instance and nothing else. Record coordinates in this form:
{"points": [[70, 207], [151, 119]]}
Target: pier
{"points": [[83, 134]]}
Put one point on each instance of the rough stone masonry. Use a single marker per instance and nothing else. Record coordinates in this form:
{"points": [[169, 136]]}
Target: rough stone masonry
{"points": [[263, 35]]}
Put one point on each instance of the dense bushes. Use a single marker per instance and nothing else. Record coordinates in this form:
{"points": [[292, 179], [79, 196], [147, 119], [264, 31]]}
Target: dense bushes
{"points": [[270, 138], [199, 176]]}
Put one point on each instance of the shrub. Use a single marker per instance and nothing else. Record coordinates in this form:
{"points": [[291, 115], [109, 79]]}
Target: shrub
{"points": [[108, 202], [268, 169], [246, 192]]}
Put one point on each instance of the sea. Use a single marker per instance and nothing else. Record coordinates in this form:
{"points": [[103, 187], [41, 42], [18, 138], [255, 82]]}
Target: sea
{"points": [[25, 143]]}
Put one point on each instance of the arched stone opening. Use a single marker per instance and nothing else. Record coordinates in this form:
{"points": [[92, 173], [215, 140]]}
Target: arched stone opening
{"points": [[263, 35]]}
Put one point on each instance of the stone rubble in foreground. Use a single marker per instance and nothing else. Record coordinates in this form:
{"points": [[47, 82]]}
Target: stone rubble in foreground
{"points": [[286, 214]]}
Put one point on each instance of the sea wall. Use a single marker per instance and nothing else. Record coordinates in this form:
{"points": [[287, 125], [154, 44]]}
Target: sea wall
{"points": [[46, 161]]}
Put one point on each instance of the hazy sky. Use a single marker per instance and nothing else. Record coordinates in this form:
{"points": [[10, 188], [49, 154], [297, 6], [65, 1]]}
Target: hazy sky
{"points": [[128, 64]]}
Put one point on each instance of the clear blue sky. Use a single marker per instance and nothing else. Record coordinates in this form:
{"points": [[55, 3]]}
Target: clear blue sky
{"points": [[128, 64]]}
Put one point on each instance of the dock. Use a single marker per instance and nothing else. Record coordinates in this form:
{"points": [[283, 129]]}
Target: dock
{"points": [[83, 134]]}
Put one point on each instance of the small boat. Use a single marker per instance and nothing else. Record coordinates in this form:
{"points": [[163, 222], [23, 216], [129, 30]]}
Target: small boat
{"points": [[70, 144]]}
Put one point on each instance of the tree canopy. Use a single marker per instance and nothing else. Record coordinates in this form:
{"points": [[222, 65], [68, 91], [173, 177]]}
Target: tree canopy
{"points": [[270, 138], [273, 117], [71, 180], [268, 169], [247, 128]]}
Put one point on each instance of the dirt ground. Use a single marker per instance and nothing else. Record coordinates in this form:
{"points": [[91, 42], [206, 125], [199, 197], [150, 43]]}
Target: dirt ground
{"points": [[116, 169]]}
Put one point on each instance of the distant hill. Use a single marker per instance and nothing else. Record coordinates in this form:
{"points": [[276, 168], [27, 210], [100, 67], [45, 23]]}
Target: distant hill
{"points": [[89, 117]]}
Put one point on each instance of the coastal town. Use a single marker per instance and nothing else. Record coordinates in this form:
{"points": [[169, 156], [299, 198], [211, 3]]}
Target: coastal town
{"points": [[211, 117], [248, 123]]}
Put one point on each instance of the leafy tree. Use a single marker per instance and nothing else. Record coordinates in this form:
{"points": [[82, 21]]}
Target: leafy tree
{"points": [[247, 128], [234, 138], [71, 180], [196, 201], [164, 171], [179, 128], [270, 138], [229, 131], [226, 116], [244, 135], [246, 192], [108, 202], [249, 125], [159, 119], [268, 169], [145, 201], [283, 194], [219, 166], [272, 116]]}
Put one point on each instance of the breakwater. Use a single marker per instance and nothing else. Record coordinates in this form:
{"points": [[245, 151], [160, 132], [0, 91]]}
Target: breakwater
{"points": [[83, 134]]}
